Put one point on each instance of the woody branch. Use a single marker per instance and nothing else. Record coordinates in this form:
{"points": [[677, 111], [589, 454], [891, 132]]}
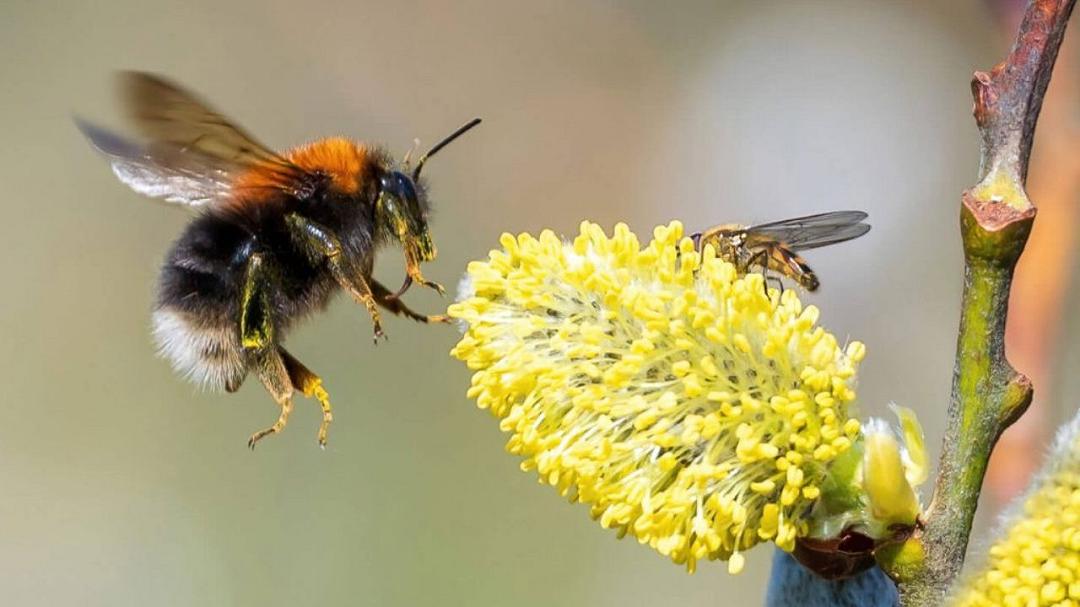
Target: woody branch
{"points": [[988, 395]]}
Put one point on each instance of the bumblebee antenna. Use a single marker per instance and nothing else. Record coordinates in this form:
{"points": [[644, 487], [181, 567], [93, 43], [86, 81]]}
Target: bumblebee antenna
{"points": [[438, 146]]}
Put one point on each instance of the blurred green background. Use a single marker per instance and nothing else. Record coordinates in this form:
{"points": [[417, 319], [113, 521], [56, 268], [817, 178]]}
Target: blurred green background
{"points": [[122, 485]]}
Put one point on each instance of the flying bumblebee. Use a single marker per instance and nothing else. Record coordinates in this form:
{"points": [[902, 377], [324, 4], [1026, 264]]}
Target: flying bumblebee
{"points": [[277, 236], [774, 246]]}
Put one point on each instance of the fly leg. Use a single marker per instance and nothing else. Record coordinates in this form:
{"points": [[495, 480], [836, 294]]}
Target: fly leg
{"points": [[310, 384], [779, 283], [385, 298], [760, 258], [322, 245], [257, 339]]}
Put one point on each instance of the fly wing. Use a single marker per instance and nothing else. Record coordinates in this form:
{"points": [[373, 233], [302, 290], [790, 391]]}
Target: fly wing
{"points": [[192, 155], [812, 231]]}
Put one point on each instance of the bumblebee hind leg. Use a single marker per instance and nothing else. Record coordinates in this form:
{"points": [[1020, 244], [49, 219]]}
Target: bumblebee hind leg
{"points": [[310, 384], [257, 339], [273, 374]]}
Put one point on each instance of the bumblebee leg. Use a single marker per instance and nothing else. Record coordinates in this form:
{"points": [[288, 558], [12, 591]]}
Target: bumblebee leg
{"points": [[385, 298], [306, 381], [275, 377], [257, 339], [321, 245]]}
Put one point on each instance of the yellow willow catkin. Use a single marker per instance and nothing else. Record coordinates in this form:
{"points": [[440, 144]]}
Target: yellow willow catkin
{"points": [[1036, 559], [685, 405]]}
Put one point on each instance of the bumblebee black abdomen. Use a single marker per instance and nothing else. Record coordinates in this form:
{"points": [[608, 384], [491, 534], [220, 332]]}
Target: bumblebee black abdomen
{"points": [[196, 323]]}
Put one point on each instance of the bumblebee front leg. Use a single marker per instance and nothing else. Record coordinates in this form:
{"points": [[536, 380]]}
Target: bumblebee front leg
{"points": [[321, 244], [257, 339], [385, 298]]}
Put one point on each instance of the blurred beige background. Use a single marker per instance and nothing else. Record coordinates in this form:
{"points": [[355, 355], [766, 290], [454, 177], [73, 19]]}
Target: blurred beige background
{"points": [[122, 485]]}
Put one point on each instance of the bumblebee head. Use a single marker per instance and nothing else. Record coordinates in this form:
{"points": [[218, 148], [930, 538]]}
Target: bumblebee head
{"points": [[401, 210]]}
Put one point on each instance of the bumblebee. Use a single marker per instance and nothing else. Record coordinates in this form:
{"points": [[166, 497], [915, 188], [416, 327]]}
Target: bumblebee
{"points": [[277, 236], [774, 246]]}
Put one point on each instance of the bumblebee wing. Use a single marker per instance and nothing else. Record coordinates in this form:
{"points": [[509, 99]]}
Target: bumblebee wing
{"points": [[181, 126], [191, 179], [162, 111], [812, 231]]}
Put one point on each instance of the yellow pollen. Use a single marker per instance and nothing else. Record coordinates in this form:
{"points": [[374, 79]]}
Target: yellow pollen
{"points": [[684, 404], [1036, 560]]}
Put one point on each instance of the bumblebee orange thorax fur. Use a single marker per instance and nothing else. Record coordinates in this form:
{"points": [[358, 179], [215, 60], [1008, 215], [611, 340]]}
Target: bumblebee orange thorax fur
{"points": [[343, 160]]}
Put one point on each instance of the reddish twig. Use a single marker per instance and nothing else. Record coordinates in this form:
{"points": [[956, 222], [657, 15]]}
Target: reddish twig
{"points": [[996, 217], [1008, 97]]}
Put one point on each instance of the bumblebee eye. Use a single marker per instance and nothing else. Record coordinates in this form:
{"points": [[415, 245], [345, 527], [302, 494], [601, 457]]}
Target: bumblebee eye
{"points": [[406, 189], [400, 186], [400, 205]]}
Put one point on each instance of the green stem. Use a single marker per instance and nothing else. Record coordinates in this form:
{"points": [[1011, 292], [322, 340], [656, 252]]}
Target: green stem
{"points": [[988, 395]]}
